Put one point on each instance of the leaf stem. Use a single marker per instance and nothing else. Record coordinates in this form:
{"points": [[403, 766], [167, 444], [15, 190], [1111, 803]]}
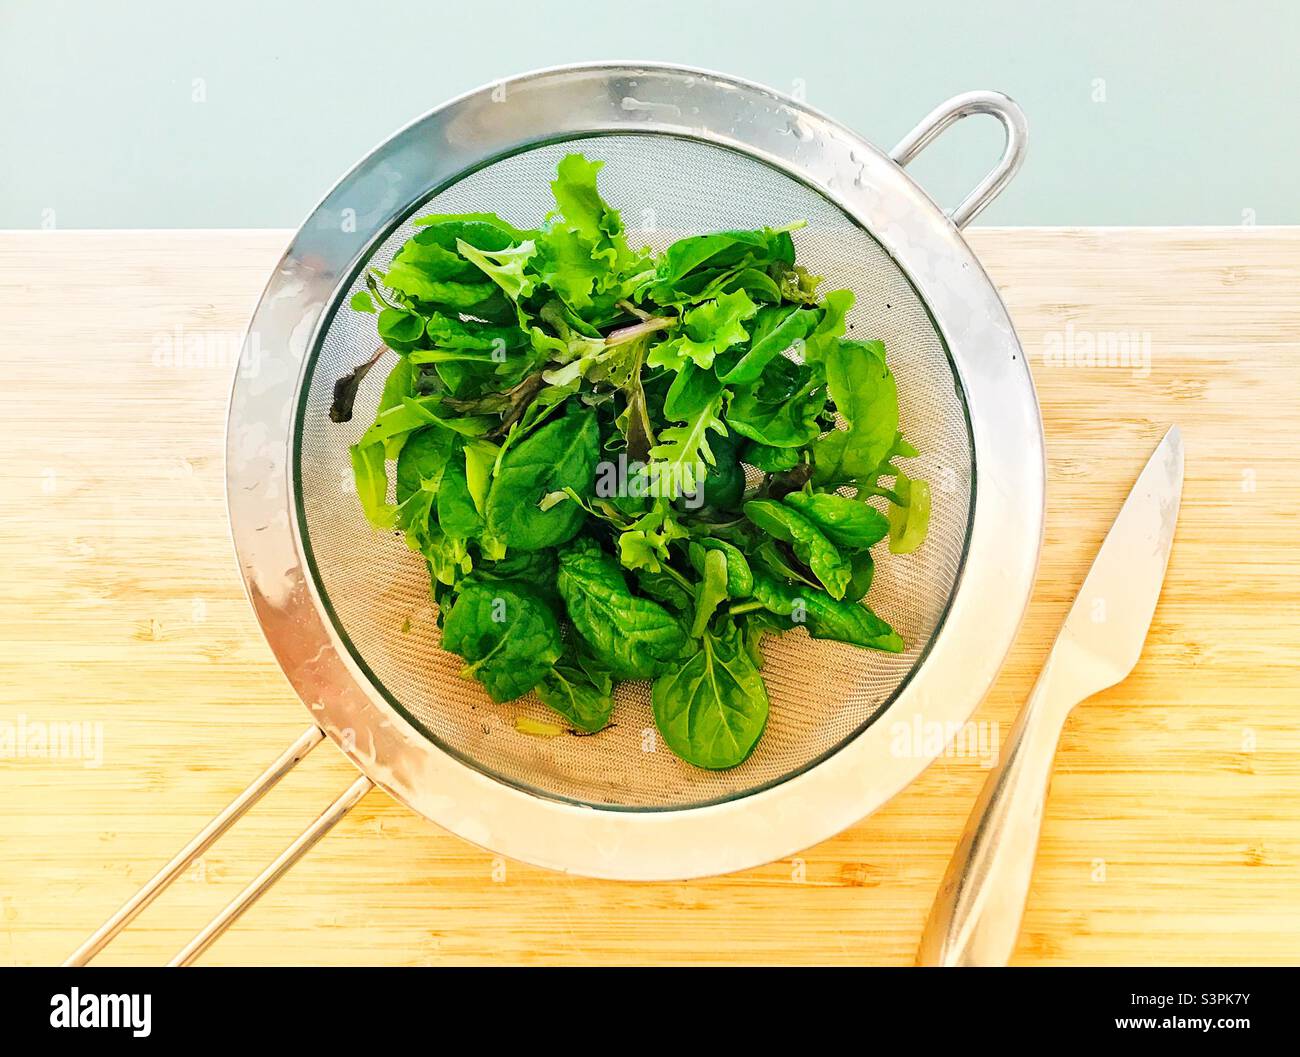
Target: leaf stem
{"points": [[637, 330]]}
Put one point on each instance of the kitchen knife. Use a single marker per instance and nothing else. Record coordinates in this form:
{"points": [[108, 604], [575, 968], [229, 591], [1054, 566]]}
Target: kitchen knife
{"points": [[976, 914]]}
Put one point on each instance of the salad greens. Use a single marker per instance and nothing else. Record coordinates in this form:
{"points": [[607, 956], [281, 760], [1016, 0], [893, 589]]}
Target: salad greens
{"points": [[572, 424]]}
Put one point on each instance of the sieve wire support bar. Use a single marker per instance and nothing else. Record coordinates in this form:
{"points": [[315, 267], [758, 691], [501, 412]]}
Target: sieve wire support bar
{"points": [[302, 844], [200, 843], [947, 114]]}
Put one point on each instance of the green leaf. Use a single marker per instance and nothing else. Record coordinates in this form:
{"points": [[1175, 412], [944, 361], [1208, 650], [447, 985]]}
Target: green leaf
{"points": [[572, 692], [682, 452], [400, 330], [864, 571], [826, 618], [808, 542], [457, 514], [769, 459], [562, 454], [706, 331], [504, 267], [862, 386], [360, 302], [712, 709], [776, 329], [831, 325], [585, 211], [740, 578], [371, 475], [847, 523], [643, 544], [566, 262], [780, 410], [633, 637], [474, 228], [693, 388], [909, 524], [507, 634], [480, 461], [423, 460], [415, 282], [712, 590], [446, 332]]}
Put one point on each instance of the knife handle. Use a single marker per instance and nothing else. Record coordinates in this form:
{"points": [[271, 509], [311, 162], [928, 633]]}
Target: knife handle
{"points": [[976, 914]]}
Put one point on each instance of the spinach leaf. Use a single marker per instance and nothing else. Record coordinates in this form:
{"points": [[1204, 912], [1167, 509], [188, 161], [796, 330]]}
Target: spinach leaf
{"points": [[808, 542], [740, 578], [574, 694], [864, 571], [507, 634], [667, 586], [864, 392], [776, 329], [780, 409], [712, 710], [847, 523], [423, 459], [633, 637], [457, 515], [826, 618], [724, 481], [769, 459], [561, 454], [909, 523]]}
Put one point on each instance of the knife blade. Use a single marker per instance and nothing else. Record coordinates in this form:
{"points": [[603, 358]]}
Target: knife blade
{"points": [[976, 914], [1108, 623]]}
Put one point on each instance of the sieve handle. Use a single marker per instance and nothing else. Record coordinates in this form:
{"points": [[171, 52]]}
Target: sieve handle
{"points": [[208, 836], [1006, 110], [976, 915]]}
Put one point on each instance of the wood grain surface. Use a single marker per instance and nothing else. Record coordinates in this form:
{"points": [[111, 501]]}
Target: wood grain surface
{"points": [[1173, 829]]}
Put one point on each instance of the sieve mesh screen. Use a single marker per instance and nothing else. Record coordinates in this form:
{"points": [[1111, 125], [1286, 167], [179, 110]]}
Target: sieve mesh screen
{"points": [[821, 692]]}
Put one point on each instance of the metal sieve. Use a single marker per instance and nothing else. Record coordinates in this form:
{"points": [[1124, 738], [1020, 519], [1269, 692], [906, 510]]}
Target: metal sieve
{"points": [[348, 611]]}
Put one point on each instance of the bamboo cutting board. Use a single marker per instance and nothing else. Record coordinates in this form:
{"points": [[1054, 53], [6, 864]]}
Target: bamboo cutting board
{"points": [[1173, 828]]}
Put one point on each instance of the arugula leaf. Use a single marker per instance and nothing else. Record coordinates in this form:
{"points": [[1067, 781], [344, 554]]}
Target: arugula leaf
{"points": [[682, 451], [507, 633], [712, 710]]}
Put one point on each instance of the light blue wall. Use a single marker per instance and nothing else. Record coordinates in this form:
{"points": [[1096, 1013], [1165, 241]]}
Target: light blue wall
{"points": [[98, 123]]}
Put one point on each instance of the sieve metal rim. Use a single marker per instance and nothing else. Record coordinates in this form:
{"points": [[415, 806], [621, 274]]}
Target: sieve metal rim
{"points": [[589, 100]]}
